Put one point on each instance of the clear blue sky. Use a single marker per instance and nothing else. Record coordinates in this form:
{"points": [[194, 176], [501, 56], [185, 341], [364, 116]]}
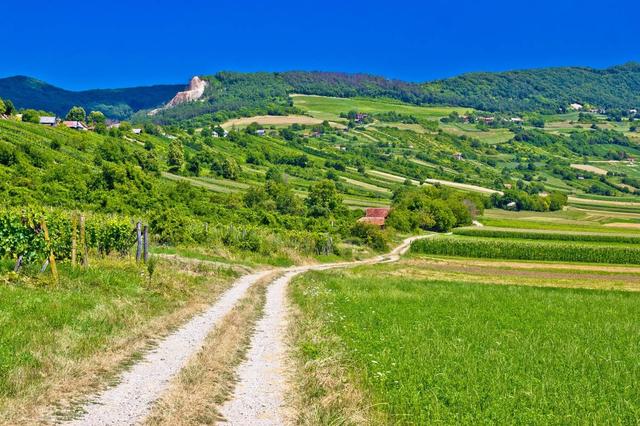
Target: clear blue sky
{"points": [[79, 45]]}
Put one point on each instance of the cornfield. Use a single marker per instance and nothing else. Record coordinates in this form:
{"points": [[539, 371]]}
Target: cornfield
{"points": [[493, 248]]}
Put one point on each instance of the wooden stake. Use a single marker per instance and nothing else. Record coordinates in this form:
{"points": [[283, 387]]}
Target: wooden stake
{"points": [[139, 241], [83, 243], [52, 258], [18, 264], [74, 242], [146, 243]]}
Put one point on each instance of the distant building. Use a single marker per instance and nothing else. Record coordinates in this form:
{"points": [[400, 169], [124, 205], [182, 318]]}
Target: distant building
{"points": [[76, 125], [517, 120], [458, 156], [575, 106], [376, 216], [48, 121], [261, 132], [112, 124], [361, 117], [486, 120], [512, 205], [633, 111], [136, 131]]}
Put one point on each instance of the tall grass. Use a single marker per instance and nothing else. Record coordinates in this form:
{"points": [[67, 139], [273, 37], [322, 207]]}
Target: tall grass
{"points": [[453, 353], [493, 248]]}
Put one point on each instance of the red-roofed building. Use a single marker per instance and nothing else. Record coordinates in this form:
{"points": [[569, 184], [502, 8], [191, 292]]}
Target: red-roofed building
{"points": [[376, 216]]}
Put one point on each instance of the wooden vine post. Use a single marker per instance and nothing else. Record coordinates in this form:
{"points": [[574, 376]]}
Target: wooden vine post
{"points": [[83, 243], [138, 241], [146, 243], [74, 242], [52, 258]]}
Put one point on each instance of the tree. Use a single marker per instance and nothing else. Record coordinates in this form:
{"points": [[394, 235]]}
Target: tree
{"points": [[230, 169], [323, 199], [175, 156], [125, 127], [76, 113], [31, 116], [2, 107], [96, 117], [9, 109]]}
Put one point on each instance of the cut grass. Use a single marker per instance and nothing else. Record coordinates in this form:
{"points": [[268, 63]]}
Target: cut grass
{"points": [[59, 343], [427, 352]]}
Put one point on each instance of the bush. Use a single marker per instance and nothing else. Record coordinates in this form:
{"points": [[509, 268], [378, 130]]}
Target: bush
{"points": [[370, 235]]}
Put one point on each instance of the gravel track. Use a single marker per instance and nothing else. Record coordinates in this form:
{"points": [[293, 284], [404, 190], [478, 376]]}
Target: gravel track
{"points": [[130, 401], [259, 398], [259, 395]]}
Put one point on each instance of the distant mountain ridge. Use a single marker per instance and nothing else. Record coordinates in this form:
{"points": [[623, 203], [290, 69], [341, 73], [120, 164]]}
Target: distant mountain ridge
{"points": [[232, 93], [28, 92]]}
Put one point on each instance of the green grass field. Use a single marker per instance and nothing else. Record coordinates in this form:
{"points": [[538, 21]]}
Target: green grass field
{"points": [[449, 352], [51, 333], [328, 108]]}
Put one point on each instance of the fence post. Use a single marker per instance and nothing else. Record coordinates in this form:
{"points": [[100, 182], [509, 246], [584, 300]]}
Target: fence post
{"points": [[18, 264], [74, 242], [83, 243], [146, 243], [52, 258], [139, 241]]}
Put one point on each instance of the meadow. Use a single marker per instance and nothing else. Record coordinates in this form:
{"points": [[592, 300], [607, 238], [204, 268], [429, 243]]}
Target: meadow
{"points": [[328, 108], [415, 349], [90, 325]]}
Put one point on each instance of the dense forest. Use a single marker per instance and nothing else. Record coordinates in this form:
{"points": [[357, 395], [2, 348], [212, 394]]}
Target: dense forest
{"points": [[231, 94], [27, 92]]}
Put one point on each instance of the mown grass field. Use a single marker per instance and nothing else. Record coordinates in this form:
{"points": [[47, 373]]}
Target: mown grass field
{"points": [[328, 108], [455, 349]]}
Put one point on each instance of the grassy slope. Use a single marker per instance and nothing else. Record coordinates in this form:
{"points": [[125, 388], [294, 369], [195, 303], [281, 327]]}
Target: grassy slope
{"points": [[89, 326]]}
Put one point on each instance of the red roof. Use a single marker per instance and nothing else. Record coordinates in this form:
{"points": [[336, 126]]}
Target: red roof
{"points": [[381, 212]]}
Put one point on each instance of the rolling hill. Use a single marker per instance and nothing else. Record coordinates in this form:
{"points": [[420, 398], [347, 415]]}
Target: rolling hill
{"points": [[233, 94], [27, 92]]}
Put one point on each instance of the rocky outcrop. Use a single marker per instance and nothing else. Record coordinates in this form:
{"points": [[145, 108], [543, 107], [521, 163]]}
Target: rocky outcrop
{"points": [[193, 93]]}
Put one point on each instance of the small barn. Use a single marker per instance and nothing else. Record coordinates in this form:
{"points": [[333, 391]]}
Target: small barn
{"points": [[376, 216]]}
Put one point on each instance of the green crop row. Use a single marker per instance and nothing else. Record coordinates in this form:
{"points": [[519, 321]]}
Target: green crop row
{"points": [[541, 235], [493, 248], [22, 234]]}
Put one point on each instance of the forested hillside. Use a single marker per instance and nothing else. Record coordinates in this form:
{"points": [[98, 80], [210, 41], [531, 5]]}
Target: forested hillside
{"points": [[26, 92], [231, 94]]}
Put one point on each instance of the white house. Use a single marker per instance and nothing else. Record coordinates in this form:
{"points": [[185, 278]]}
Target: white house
{"points": [[48, 121], [575, 106]]}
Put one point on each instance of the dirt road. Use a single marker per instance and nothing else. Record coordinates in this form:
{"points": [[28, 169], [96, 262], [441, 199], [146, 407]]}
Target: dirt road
{"points": [[259, 395]]}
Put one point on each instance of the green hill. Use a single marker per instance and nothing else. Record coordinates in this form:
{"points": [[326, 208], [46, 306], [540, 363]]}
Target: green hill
{"points": [[27, 92], [232, 94]]}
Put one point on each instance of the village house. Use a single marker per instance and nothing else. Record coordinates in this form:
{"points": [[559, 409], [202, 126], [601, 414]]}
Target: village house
{"points": [[376, 216], [575, 106], [76, 125], [486, 120], [261, 132], [517, 120], [458, 156], [48, 121], [136, 131], [361, 117]]}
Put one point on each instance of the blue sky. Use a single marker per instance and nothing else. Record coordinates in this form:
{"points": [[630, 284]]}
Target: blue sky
{"points": [[79, 45]]}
